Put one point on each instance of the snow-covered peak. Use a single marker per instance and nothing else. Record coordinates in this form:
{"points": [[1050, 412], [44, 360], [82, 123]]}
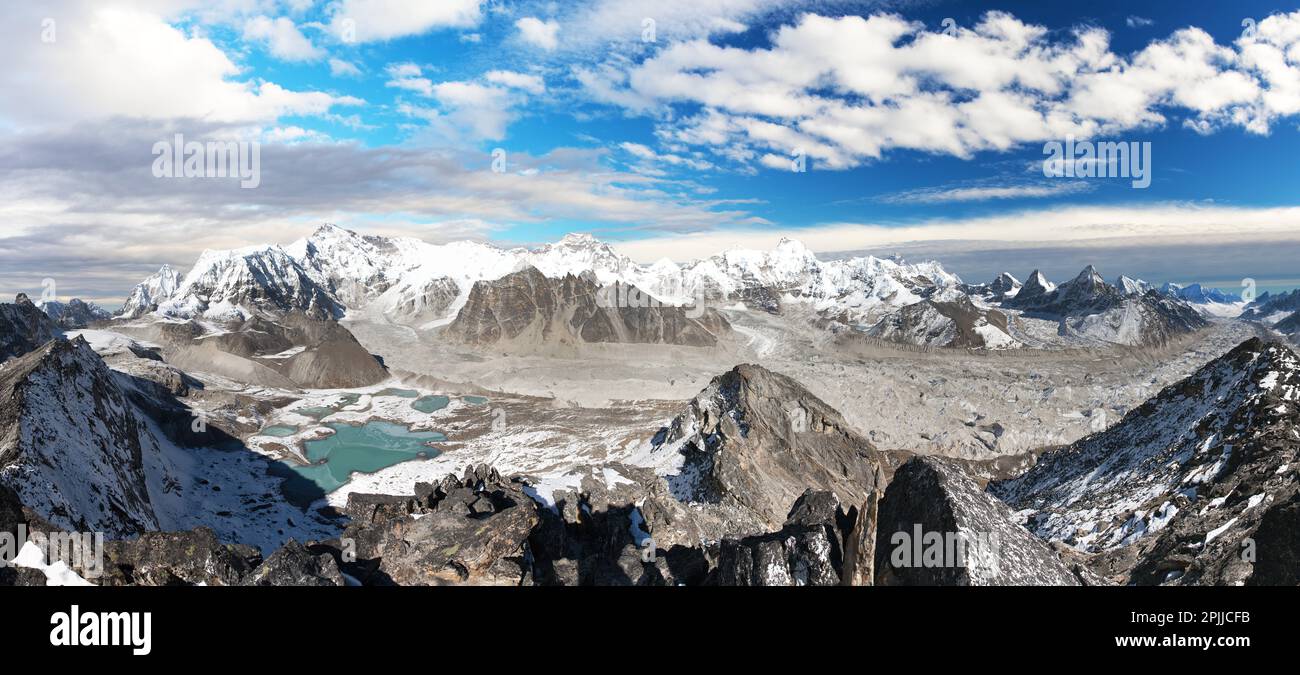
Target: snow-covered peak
{"points": [[1037, 279], [234, 285], [154, 290], [1090, 276], [1131, 286], [578, 253], [578, 240]]}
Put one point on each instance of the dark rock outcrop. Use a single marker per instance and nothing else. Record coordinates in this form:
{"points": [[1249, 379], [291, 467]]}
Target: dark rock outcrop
{"points": [[294, 565], [937, 527], [23, 328], [470, 530], [809, 550], [75, 313], [177, 559]]}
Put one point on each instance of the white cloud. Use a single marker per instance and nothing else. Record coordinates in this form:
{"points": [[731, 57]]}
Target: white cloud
{"points": [[282, 38], [649, 156], [981, 193], [375, 20], [409, 76], [1138, 22], [534, 31], [112, 61], [532, 84], [847, 90], [341, 68], [468, 110]]}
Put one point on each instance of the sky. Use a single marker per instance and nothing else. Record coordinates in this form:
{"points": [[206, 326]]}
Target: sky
{"points": [[673, 128]]}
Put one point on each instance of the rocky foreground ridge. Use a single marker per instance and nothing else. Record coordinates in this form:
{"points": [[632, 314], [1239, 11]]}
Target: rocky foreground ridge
{"points": [[756, 482]]}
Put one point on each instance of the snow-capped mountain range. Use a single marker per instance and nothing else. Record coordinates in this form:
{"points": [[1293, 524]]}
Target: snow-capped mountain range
{"points": [[336, 272]]}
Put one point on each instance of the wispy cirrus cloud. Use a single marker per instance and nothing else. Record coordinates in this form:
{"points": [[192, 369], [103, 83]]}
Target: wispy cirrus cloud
{"points": [[987, 191]]}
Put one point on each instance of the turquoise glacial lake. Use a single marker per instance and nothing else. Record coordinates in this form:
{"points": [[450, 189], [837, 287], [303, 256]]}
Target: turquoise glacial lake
{"points": [[428, 404], [365, 449]]}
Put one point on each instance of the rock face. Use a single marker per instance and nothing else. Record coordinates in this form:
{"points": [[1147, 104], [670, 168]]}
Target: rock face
{"points": [[23, 328], [290, 352], [429, 302], [1272, 307], [809, 550], [950, 322], [70, 443], [755, 440], [294, 565], [938, 528], [1289, 327], [1005, 286], [471, 530], [527, 309], [177, 559], [1196, 486]]}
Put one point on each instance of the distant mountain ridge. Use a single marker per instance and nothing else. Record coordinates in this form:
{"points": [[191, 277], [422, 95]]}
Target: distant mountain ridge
{"points": [[336, 272]]}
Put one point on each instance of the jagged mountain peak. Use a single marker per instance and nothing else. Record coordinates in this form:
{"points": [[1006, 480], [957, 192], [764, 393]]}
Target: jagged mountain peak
{"points": [[1038, 279], [24, 327], [1090, 272], [755, 439], [148, 294]]}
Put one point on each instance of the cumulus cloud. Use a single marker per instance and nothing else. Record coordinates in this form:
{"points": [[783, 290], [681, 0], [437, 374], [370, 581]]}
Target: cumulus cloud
{"points": [[473, 110], [846, 90], [125, 61], [534, 31], [282, 38], [532, 84], [377, 20]]}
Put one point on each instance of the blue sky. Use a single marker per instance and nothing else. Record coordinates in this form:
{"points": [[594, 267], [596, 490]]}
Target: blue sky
{"points": [[922, 125]]}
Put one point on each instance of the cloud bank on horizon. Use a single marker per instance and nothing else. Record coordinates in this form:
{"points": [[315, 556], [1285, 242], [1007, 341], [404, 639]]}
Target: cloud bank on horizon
{"points": [[671, 128]]}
